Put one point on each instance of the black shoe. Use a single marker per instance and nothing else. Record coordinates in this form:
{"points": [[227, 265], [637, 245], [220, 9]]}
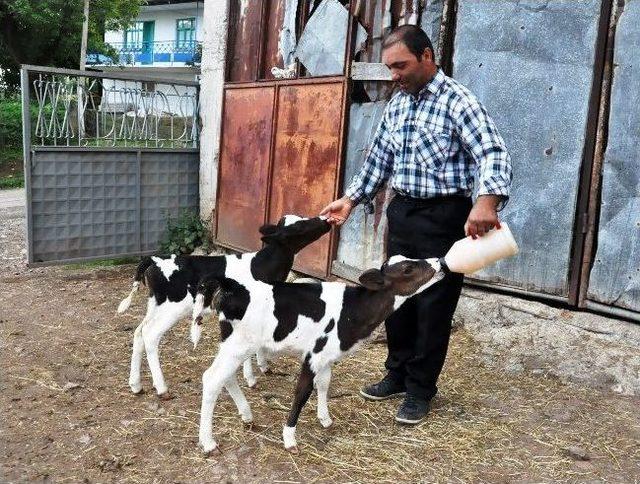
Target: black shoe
{"points": [[388, 387], [413, 410]]}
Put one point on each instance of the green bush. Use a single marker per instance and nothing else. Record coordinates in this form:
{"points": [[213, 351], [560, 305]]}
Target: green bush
{"points": [[11, 122], [184, 233]]}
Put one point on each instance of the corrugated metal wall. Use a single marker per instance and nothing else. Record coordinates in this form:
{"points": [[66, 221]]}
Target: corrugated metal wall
{"points": [[362, 237], [615, 277], [244, 40], [531, 64]]}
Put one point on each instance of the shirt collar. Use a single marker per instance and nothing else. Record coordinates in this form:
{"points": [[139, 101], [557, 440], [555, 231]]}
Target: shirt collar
{"points": [[434, 85]]}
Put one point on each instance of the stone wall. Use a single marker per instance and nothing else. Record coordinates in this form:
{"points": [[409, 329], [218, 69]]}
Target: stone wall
{"points": [[517, 335]]}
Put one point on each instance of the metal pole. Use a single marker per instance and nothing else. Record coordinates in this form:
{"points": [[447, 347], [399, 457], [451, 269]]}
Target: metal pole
{"points": [[580, 225], [85, 35], [83, 63], [26, 148]]}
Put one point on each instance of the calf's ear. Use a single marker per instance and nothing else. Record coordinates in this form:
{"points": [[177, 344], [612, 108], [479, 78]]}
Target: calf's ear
{"points": [[268, 229], [271, 238], [270, 233], [373, 279]]}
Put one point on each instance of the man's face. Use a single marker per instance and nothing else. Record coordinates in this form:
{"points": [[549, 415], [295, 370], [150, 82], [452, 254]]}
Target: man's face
{"points": [[407, 70]]}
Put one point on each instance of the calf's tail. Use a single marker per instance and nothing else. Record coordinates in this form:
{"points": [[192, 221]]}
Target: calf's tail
{"points": [[142, 267]]}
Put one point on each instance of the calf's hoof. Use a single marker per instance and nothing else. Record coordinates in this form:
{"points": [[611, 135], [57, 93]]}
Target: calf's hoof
{"points": [[326, 422], [210, 448], [251, 383], [294, 450], [136, 388], [166, 396], [215, 452]]}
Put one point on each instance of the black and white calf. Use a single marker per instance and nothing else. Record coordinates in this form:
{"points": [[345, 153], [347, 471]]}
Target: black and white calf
{"points": [[173, 281], [320, 322]]}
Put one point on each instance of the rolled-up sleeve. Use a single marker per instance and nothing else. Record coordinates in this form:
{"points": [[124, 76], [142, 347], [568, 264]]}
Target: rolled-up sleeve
{"points": [[483, 142]]}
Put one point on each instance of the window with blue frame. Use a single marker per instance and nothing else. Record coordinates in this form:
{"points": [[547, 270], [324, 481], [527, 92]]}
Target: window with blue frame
{"points": [[133, 36], [185, 34]]}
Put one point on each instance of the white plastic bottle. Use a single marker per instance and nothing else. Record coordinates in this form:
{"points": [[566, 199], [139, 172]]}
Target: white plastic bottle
{"points": [[467, 255]]}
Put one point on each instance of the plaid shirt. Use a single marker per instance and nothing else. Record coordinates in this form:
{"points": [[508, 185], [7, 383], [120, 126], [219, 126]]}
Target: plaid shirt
{"points": [[430, 145]]}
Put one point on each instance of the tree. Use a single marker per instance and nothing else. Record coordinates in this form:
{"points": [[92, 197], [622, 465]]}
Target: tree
{"points": [[48, 32]]}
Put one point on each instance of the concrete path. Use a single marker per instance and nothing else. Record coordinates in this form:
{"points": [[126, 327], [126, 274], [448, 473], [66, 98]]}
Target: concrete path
{"points": [[13, 220], [12, 198]]}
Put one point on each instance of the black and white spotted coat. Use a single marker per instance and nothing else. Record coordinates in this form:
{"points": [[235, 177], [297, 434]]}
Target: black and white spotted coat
{"points": [[321, 323], [173, 281]]}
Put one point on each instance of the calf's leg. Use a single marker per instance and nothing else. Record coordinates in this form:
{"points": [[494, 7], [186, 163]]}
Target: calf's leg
{"points": [[322, 380], [261, 358], [152, 333], [137, 350], [303, 390], [247, 372], [214, 378], [244, 409]]}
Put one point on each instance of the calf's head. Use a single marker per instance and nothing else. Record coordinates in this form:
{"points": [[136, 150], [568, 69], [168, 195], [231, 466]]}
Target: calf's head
{"points": [[294, 232], [402, 276], [208, 295], [220, 294]]}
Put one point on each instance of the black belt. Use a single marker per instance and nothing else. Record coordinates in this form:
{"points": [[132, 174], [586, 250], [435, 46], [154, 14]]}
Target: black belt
{"points": [[425, 202]]}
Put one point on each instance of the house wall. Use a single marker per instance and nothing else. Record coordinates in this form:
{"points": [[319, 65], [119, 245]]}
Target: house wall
{"points": [[214, 42], [164, 28]]}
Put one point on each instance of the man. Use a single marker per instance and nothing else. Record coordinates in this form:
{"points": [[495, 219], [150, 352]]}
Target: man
{"points": [[434, 137]]}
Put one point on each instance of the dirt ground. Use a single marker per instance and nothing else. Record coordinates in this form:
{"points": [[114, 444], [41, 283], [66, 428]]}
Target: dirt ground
{"points": [[68, 414]]}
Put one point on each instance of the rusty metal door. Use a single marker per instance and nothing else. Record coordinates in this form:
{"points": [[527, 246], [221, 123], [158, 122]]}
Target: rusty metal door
{"points": [[306, 160], [282, 139], [280, 154], [244, 166]]}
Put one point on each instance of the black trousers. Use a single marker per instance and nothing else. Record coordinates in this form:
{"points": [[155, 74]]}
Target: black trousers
{"points": [[418, 333]]}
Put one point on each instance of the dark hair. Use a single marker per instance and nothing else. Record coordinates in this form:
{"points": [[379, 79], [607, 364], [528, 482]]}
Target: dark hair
{"points": [[416, 40]]}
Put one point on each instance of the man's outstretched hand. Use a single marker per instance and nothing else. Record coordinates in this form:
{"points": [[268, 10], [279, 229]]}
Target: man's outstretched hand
{"points": [[483, 216], [337, 212]]}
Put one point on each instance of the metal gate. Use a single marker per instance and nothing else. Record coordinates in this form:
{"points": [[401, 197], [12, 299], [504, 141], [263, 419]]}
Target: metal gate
{"points": [[108, 158]]}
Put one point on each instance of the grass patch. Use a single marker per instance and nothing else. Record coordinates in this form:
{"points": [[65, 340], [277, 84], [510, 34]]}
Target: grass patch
{"points": [[11, 167], [103, 263], [11, 181]]}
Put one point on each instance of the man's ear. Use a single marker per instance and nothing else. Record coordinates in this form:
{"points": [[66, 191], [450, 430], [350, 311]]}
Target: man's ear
{"points": [[373, 279], [427, 55]]}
